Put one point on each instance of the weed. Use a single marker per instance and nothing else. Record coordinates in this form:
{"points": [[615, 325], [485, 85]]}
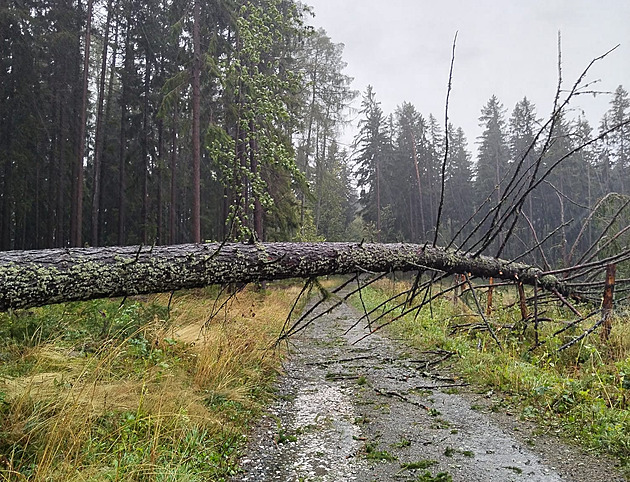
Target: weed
{"points": [[361, 420], [403, 443], [422, 464], [440, 424], [371, 453], [284, 437], [441, 477]]}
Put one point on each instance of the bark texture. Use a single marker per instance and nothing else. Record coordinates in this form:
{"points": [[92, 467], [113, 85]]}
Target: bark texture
{"points": [[36, 278]]}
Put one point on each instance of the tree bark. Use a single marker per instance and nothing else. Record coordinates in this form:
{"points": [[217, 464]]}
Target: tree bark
{"points": [[99, 135], [36, 278], [77, 198], [196, 141], [607, 303], [172, 213]]}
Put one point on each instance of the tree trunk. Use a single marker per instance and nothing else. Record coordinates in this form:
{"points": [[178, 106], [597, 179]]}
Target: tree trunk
{"points": [[99, 136], [423, 232], [35, 278], [173, 186], [378, 201], [253, 161], [160, 181], [77, 198], [607, 303], [144, 167], [6, 207], [122, 152], [196, 107]]}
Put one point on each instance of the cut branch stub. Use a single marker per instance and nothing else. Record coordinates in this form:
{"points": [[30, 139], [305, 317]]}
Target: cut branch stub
{"points": [[36, 278]]}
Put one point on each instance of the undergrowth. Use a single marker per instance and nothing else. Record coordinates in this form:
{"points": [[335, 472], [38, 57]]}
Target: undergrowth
{"points": [[581, 393], [138, 391]]}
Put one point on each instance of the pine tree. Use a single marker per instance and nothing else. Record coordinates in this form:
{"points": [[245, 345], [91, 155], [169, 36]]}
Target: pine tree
{"points": [[492, 161], [619, 140], [372, 145], [459, 189], [325, 98], [409, 175], [523, 153]]}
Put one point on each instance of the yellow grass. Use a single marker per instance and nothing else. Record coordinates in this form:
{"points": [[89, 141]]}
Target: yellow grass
{"points": [[189, 370]]}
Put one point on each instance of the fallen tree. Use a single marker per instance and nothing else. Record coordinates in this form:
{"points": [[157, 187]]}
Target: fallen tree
{"points": [[36, 278]]}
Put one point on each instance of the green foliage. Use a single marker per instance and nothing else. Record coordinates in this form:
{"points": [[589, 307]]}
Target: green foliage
{"points": [[373, 156], [69, 322], [125, 443], [325, 99], [441, 477], [256, 83], [371, 452]]}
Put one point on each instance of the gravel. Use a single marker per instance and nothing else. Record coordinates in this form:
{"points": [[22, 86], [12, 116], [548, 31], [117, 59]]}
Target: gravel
{"points": [[375, 410]]}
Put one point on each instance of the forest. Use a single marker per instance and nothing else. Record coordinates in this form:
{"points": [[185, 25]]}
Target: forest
{"points": [[190, 158], [164, 122]]}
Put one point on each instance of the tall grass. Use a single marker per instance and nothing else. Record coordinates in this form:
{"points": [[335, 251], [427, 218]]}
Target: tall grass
{"points": [[581, 393], [98, 391]]}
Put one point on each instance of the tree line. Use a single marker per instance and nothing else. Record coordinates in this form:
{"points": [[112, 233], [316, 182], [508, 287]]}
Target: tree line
{"points": [[164, 121], [579, 178]]}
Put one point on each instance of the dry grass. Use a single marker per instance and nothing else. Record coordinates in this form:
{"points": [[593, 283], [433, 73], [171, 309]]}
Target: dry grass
{"points": [[170, 401]]}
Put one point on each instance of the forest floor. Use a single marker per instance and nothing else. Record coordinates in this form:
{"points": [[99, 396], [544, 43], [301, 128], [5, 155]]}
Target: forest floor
{"points": [[379, 410]]}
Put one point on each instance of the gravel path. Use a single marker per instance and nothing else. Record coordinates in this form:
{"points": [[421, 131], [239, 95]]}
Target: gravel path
{"points": [[377, 411]]}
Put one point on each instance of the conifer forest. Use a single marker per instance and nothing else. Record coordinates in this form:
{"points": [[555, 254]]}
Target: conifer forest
{"points": [[166, 122], [220, 260]]}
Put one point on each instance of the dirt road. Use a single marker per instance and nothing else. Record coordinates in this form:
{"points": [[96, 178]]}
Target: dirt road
{"points": [[377, 411]]}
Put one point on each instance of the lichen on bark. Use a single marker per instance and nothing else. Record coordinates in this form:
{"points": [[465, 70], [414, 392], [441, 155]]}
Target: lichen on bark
{"points": [[35, 278]]}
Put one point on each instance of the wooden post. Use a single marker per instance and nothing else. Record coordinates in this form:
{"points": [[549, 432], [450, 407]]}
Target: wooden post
{"points": [[607, 303], [489, 299], [457, 280], [522, 301]]}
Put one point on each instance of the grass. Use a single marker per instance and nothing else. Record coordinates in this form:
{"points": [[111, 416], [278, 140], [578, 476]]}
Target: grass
{"points": [[428, 477], [371, 452], [422, 464], [98, 391], [581, 393]]}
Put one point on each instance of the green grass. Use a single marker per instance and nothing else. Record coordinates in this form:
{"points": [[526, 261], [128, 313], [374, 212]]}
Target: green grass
{"points": [[97, 391], [581, 393], [428, 477], [371, 452]]}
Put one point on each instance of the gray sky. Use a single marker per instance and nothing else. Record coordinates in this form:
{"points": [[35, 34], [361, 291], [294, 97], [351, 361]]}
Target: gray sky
{"points": [[507, 48]]}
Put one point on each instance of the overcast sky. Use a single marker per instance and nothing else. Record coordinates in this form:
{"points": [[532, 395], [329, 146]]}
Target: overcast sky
{"points": [[504, 47]]}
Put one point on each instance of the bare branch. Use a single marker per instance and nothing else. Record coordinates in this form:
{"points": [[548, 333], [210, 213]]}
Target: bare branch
{"points": [[446, 144]]}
